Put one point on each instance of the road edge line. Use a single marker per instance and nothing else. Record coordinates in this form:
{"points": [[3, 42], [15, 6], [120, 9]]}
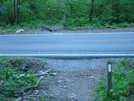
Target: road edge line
{"points": [[71, 55]]}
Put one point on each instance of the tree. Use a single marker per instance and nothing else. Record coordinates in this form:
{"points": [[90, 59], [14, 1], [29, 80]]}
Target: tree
{"points": [[16, 11], [91, 11]]}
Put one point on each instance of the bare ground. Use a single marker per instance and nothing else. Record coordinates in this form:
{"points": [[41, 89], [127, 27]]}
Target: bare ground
{"points": [[73, 86], [59, 29], [76, 80]]}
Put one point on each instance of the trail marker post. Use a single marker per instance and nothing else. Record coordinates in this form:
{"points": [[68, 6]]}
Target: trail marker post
{"points": [[109, 76]]}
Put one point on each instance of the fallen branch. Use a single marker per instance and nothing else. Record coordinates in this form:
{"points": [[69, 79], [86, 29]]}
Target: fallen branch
{"points": [[31, 87], [28, 97], [37, 84], [19, 99], [43, 74]]}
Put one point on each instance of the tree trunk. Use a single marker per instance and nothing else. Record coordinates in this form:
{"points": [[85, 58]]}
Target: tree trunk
{"points": [[16, 11], [65, 12], [14, 6], [91, 11]]}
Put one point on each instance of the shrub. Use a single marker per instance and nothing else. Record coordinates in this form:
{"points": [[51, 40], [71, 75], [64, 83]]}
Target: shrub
{"points": [[123, 84], [17, 73]]}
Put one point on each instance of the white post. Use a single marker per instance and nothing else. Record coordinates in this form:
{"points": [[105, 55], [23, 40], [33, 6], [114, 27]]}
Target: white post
{"points": [[109, 76]]}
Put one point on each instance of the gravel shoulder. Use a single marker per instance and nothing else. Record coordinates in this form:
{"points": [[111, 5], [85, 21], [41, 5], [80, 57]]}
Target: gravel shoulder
{"points": [[76, 79]]}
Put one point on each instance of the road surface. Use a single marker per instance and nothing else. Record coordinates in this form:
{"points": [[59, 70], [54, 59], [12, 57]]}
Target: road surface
{"points": [[87, 43]]}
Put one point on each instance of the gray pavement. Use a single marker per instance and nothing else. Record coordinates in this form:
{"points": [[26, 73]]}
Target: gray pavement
{"points": [[87, 43]]}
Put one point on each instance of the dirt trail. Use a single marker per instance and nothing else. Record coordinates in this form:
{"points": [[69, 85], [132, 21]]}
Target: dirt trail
{"points": [[73, 83], [73, 86]]}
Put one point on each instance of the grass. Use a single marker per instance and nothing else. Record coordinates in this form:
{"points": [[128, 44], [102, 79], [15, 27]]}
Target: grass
{"points": [[7, 31]]}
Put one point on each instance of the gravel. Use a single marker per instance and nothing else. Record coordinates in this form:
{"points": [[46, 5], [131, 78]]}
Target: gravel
{"points": [[76, 79], [80, 64]]}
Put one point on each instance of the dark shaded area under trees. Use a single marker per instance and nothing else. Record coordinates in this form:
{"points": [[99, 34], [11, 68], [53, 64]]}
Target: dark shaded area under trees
{"points": [[71, 13]]}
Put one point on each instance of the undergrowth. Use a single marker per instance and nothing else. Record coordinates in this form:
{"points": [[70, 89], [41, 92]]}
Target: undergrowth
{"points": [[122, 81], [16, 74], [73, 14], [80, 24], [37, 25]]}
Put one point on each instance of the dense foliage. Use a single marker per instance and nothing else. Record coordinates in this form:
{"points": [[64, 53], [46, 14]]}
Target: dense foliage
{"points": [[123, 84], [16, 74], [72, 13]]}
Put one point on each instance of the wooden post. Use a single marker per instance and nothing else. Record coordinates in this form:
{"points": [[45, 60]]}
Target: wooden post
{"points": [[109, 76]]}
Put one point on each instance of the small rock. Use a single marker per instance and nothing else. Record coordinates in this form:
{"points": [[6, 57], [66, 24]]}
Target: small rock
{"points": [[62, 86], [67, 80], [73, 96], [92, 77], [36, 92], [61, 81]]}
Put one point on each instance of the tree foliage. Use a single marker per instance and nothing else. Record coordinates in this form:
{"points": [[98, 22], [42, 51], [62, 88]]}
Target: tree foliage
{"points": [[69, 12]]}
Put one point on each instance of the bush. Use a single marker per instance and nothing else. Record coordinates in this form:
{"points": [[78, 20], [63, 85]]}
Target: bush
{"points": [[77, 22], [17, 73], [123, 84]]}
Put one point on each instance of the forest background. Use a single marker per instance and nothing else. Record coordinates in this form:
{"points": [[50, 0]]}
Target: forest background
{"points": [[72, 14]]}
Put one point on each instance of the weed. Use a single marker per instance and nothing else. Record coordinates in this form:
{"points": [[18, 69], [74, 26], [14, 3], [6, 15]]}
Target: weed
{"points": [[17, 73], [123, 84]]}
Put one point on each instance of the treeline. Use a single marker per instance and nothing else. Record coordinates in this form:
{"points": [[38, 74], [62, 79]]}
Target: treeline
{"points": [[71, 13]]}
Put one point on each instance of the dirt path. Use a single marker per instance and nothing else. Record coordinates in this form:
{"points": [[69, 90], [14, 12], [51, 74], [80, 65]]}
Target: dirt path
{"points": [[76, 79], [73, 86]]}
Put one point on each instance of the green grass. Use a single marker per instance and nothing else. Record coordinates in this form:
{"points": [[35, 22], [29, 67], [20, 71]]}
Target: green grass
{"points": [[7, 31]]}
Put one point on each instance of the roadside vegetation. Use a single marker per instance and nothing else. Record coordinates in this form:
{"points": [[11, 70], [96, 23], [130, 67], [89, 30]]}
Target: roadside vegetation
{"points": [[72, 14], [18, 80], [17, 77], [122, 81]]}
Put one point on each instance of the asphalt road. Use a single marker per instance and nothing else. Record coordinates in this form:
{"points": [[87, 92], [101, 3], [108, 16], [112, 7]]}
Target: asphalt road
{"points": [[87, 43]]}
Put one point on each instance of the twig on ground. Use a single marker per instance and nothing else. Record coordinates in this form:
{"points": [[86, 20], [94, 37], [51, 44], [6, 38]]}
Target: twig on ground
{"points": [[43, 74], [31, 87], [19, 99]]}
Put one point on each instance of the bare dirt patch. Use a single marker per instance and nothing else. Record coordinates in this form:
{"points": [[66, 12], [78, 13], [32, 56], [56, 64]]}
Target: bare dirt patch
{"points": [[59, 29], [73, 86], [76, 80]]}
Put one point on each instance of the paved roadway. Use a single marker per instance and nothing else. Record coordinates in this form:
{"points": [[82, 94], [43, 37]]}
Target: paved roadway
{"points": [[87, 43]]}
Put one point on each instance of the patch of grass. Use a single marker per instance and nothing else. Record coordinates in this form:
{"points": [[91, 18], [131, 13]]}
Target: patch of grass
{"points": [[7, 31], [17, 73], [123, 84]]}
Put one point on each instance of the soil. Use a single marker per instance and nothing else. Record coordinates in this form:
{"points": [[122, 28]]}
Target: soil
{"points": [[76, 80], [59, 30], [73, 86]]}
